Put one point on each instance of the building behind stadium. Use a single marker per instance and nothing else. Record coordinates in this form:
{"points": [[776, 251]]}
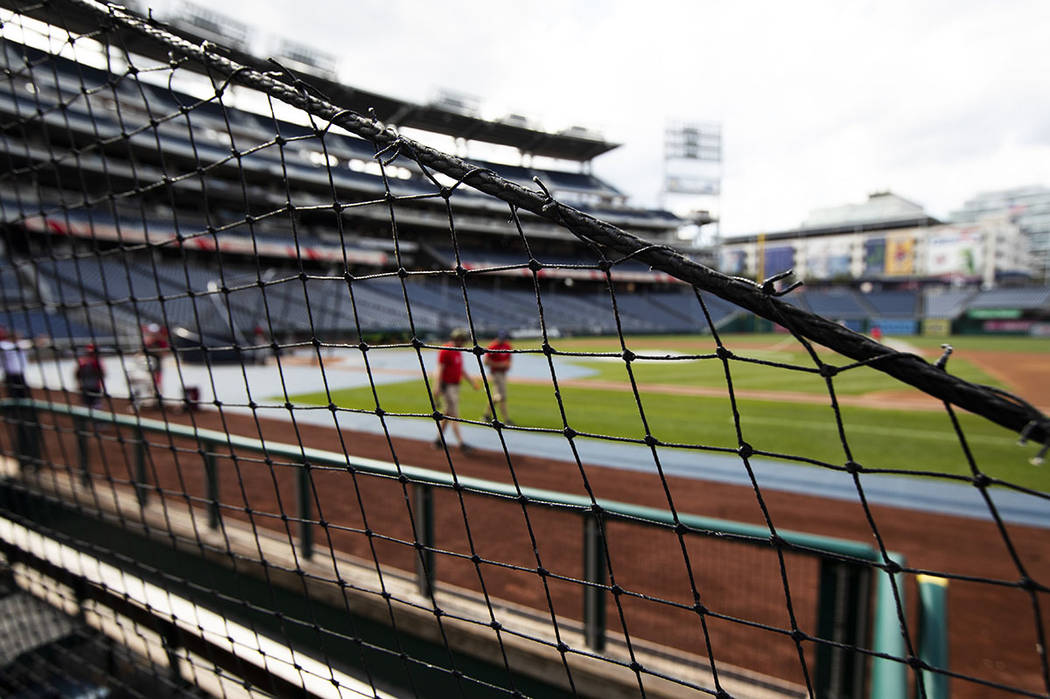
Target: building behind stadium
{"points": [[888, 242]]}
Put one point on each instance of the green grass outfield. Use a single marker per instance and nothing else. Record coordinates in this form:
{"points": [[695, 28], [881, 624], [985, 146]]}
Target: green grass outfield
{"points": [[777, 348], [985, 343], [961, 343], [910, 440], [748, 375]]}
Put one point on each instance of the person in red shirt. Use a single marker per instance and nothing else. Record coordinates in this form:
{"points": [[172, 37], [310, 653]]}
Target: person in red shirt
{"points": [[155, 343], [446, 386], [497, 359], [91, 377]]}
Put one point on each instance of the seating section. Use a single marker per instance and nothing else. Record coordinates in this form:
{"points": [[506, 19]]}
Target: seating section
{"points": [[483, 259], [948, 303], [221, 299], [205, 135], [838, 304], [1023, 299], [33, 324], [23, 312], [11, 291], [684, 304], [893, 304], [224, 302]]}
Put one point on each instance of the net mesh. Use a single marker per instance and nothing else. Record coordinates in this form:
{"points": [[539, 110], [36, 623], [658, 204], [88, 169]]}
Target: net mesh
{"points": [[243, 323]]}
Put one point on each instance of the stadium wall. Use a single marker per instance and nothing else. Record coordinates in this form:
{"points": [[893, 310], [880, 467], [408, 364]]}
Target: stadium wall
{"points": [[980, 253]]}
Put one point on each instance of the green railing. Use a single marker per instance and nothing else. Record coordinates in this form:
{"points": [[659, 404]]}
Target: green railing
{"points": [[846, 568]]}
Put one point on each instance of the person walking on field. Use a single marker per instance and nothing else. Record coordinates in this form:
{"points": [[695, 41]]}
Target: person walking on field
{"points": [[154, 346], [14, 360], [91, 377], [497, 359], [446, 386]]}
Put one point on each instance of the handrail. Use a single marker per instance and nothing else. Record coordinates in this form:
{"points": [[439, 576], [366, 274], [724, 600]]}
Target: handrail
{"points": [[813, 543], [842, 555]]}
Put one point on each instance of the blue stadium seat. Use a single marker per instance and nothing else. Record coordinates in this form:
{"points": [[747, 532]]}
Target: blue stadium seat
{"points": [[836, 303], [946, 303], [893, 304]]}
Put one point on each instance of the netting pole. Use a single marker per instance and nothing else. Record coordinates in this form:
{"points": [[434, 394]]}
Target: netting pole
{"points": [[594, 570], [933, 634], [842, 617], [141, 479], [889, 677], [80, 427], [211, 481], [79, 588], [304, 490], [172, 643], [27, 438], [423, 516]]}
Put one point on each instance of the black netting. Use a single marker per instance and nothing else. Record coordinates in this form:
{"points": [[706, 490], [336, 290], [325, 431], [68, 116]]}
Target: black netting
{"points": [[240, 450]]}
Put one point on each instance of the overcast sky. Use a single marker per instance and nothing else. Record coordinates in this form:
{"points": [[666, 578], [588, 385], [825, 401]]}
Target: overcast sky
{"points": [[821, 102]]}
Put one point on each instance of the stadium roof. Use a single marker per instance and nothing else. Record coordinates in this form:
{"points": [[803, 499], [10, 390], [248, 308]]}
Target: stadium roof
{"points": [[576, 145], [879, 206], [885, 225]]}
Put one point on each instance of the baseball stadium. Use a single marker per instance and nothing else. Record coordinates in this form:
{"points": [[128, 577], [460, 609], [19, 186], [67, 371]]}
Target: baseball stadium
{"points": [[297, 405]]}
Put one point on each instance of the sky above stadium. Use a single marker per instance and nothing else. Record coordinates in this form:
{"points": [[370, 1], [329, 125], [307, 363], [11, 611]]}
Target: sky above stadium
{"points": [[821, 102]]}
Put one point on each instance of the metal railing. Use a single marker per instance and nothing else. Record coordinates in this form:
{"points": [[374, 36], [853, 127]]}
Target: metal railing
{"points": [[846, 615]]}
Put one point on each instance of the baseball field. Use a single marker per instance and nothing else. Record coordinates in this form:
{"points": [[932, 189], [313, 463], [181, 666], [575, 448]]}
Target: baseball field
{"points": [[677, 391], [682, 392]]}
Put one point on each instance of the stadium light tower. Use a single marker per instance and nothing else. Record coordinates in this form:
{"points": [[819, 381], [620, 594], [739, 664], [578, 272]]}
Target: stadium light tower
{"points": [[692, 178]]}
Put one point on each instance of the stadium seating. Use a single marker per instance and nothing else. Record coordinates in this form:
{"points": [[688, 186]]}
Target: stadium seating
{"points": [[576, 181], [1021, 299], [835, 303], [203, 137], [893, 304], [946, 303], [22, 310], [475, 259], [645, 305], [683, 304], [58, 327], [590, 313], [164, 290], [11, 292]]}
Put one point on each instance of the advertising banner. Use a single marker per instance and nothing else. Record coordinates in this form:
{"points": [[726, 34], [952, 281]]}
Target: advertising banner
{"points": [[900, 256], [874, 257], [828, 258], [936, 326], [733, 262], [1008, 326], [986, 313], [954, 251], [779, 259]]}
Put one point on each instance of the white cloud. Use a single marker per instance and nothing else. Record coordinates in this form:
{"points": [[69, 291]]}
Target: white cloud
{"points": [[821, 101]]}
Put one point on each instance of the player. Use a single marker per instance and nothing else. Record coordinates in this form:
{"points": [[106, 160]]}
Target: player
{"points": [[91, 377], [13, 353], [155, 343], [498, 363], [446, 386]]}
